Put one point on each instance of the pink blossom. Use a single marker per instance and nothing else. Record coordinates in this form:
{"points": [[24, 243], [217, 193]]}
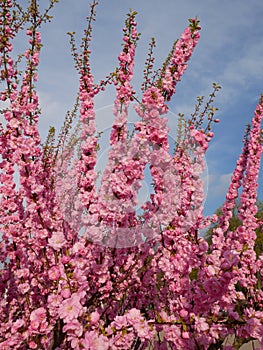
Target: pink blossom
{"points": [[70, 309], [143, 330], [17, 324], [201, 324], [65, 293], [95, 341], [38, 318], [185, 335], [133, 316], [32, 345], [54, 300], [73, 329], [57, 240], [54, 273], [94, 317], [120, 322], [24, 287]]}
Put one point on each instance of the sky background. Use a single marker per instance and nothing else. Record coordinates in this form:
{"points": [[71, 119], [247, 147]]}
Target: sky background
{"points": [[229, 52]]}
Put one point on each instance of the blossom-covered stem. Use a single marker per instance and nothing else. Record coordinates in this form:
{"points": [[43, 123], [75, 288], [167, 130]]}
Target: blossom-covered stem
{"points": [[116, 186], [153, 106], [181, 53], [88, 147], [247, 209], [231, 196], [248, 197]]}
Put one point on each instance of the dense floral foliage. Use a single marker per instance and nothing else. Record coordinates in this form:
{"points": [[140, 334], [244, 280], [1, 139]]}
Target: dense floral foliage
{"points": [[80, 268]]}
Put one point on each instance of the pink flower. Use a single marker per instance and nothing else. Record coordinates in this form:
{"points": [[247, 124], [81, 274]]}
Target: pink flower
{"points": [[22, 273], [24, 287], [183, 313], [32, 345], [66, 293], [73, 328], [230, 259], [213, 286], [200, 137], [133, 316], [201, 324], [153, 98], [54, 300], [35, 58], [120, 322], [70, 308], [94, 317], [38, 318], [17, 324], [57, 240], [185, 335], [54, 273], [93, 341], [143, 330]]}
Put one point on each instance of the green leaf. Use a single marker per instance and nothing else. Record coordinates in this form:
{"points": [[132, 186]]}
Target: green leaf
{"points": [[193, 274]]}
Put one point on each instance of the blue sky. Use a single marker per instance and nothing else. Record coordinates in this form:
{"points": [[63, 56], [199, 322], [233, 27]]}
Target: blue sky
{"points": [[229, 52]]}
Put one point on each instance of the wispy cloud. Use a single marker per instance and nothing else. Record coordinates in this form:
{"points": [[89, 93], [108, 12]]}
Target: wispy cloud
{"points": [[217, 187]]}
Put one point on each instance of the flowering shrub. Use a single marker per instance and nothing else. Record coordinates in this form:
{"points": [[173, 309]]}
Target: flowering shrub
{"points": [[81, 269]]}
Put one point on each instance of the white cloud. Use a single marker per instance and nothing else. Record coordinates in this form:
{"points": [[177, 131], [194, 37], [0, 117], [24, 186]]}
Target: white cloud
{"points": [[218, 184], [217, 188]]}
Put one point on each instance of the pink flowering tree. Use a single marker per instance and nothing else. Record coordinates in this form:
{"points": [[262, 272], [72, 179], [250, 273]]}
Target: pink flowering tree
{"points": [[80, 267]]}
